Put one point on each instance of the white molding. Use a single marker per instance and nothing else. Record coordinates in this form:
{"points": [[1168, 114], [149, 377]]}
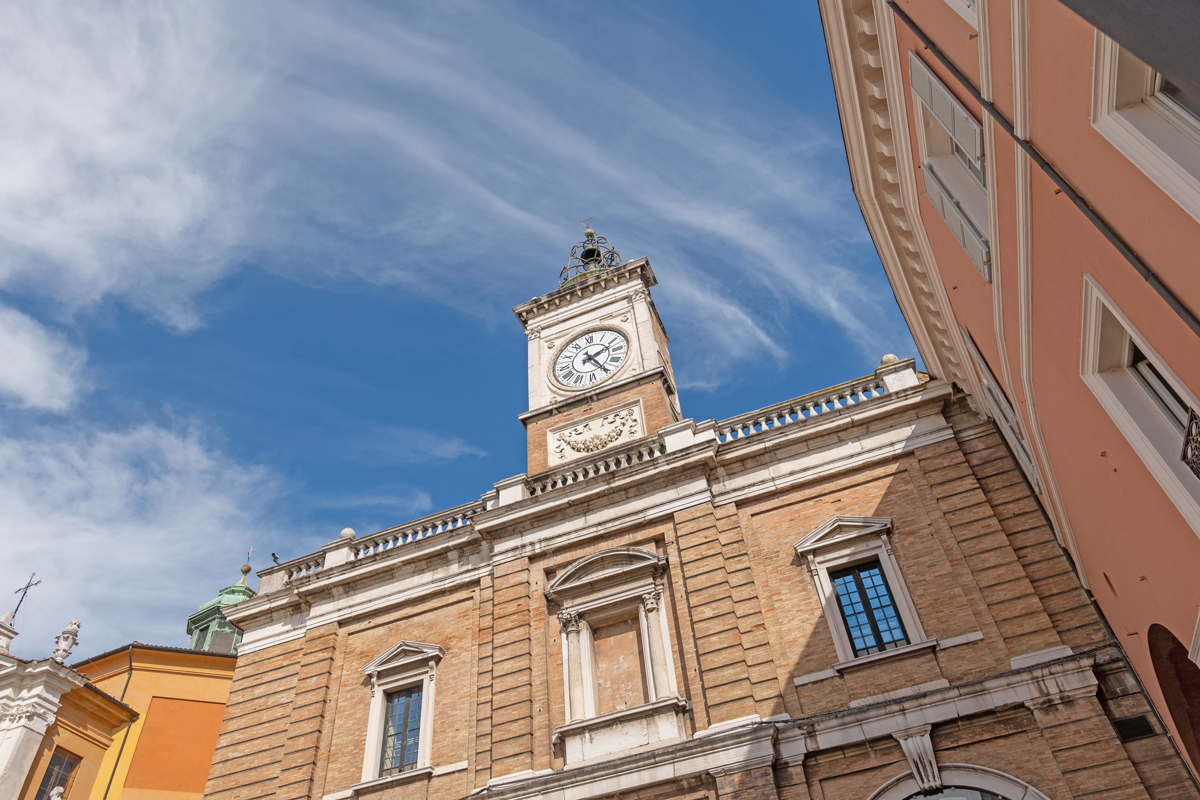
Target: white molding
{"points": [[1040, 657], [404, 665], [1046, 683], [1194, 650], [922, 760], [1151, 140], [813, 677], [1063, 530], [845, 541], [878, 148], [968, 776], [966, 10], [955, 641], [1140, 420]]}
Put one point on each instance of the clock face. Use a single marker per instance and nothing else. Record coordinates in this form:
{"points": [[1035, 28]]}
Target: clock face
{"points": [[590, 359]]}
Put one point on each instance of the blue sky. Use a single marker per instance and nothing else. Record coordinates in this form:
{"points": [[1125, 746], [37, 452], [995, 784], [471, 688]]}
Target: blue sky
{"points": [[257, 262]]}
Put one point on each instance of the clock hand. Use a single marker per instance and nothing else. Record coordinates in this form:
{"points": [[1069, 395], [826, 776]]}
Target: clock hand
{"points": [[590, 357]]}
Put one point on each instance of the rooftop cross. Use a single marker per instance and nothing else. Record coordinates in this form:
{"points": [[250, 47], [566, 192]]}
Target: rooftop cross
{"points": [[24, 590]]}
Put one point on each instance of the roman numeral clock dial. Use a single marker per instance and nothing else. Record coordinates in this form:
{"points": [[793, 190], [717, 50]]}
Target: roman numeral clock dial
{"points": [[592, 358]]}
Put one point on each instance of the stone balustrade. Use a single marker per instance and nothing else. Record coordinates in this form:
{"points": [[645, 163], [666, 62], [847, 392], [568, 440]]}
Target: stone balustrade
{"points": [[392, 538], [603, 463], [889, 378], [303, 567]]}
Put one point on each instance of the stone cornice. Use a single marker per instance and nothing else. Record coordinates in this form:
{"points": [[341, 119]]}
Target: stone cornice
{"points": [[871, 99], [689, 467], [728, 751], [600, 393], [636, 270]]}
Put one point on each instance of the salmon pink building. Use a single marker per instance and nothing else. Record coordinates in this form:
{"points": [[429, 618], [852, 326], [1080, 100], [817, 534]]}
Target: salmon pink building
{"points": [[1032, 183]]}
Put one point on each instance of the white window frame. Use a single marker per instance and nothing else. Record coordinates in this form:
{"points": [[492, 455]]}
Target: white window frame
{"points": [[403, 666], [958, 196], [613, 591], [843, 542], [1002, 412], [1151, 131], [967, 9], [1148, 427]]}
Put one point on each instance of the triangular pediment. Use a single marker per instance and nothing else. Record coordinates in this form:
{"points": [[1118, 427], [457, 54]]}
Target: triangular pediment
{"points": [[404, 654], [840, 530], [603, 569]]}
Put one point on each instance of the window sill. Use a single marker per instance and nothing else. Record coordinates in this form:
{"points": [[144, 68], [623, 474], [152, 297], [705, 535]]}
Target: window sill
{"points": [[614, 717], [862, 661], [391, 780]]}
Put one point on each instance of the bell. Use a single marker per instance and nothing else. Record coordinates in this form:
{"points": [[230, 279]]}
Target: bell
{"points": [[590, 253]]}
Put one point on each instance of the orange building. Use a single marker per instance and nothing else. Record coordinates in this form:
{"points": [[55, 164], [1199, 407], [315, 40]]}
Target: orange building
{"points": [[1032, 184], [181, 696]]}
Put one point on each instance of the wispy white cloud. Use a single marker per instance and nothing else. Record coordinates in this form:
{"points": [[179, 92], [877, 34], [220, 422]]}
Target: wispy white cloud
{"points": [[129, 530], [149, 148], [120, 172], [39, 369]]}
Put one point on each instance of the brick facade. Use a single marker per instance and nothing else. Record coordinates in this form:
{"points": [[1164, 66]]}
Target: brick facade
{"points": [[1017, 685]]}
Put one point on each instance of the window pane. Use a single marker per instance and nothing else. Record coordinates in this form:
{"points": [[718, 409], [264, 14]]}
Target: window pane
{"points": [[1153, 380], [871, 618], [401, 732], [1185, 99], [58, 773]]}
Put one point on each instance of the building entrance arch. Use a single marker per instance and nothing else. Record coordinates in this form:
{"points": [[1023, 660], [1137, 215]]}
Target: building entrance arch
{"points": [[1179, 679], [962, 782]]}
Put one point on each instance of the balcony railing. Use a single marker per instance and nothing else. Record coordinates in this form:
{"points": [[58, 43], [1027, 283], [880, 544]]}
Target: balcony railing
{"points": [[801, 409]]}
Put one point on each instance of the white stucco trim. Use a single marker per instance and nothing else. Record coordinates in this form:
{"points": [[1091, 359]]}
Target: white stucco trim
{"points": [[1153, 143], [1143, 423]]}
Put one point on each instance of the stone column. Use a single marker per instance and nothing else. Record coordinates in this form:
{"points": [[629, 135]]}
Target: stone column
{"points": [[21, 738], [658, 651], [570, 623]]}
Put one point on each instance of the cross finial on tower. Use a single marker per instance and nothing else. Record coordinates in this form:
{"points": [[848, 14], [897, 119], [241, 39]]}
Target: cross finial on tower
{"points": [[248, 554]]}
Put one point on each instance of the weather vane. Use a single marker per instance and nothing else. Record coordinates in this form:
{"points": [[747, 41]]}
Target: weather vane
{"points": [[584, 222], [24, 590]]}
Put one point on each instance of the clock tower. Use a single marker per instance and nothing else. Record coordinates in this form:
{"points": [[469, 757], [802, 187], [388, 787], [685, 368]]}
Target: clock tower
{"points": [[600, 371]]}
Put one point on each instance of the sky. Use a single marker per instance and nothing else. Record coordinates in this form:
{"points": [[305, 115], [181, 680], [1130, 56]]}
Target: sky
{"points": [[257, 262]]}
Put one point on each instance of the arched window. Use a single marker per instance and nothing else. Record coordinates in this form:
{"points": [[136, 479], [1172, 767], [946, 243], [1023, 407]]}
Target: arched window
{"points": [[1179, 678]]}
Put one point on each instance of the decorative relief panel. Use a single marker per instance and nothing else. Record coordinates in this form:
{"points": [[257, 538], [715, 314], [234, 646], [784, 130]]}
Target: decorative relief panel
{"points": [[595, 433]]}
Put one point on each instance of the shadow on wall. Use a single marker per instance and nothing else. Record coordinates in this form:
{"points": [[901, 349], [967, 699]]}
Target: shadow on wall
{"points": [[1179, 678]]}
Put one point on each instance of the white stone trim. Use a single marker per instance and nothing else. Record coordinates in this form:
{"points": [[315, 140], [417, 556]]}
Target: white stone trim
{"points": [[1024, 206], [922, 760], [729, 751], [813, 677], [1143, 423], [1047, 683], [402, 666], [1194, 649], [612, 585], [1040, 656], [1153, 141], [967, 10], [969, 776], [845, 541], [955, 641], [1002, 412], [898, 694]]}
